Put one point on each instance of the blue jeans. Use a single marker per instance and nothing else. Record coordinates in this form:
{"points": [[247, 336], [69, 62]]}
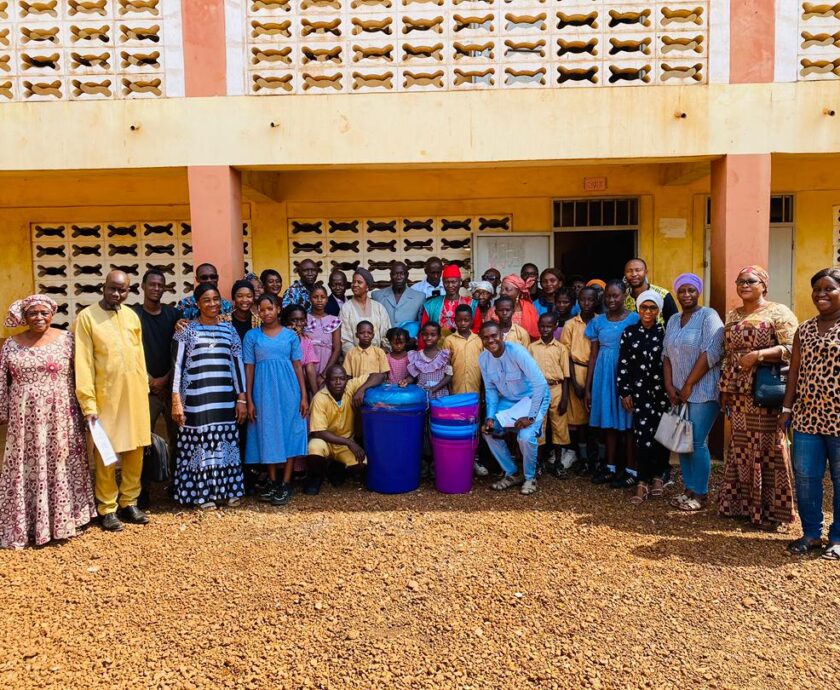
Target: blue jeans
{"points": [[526, 438], [810, 453], [697, 465]]}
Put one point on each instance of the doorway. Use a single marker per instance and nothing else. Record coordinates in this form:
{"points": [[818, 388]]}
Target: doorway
{"points": [[594, 253]]}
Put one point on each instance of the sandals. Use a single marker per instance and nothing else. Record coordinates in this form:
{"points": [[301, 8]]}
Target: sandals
{"points": [[641, 495], [508, 481], [804, 545], [657, 488], [832, 552], [690, 505], [677, 501]]}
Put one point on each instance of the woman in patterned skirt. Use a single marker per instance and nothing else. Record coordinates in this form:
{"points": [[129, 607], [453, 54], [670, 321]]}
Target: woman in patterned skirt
{"points": [[208, 401], [757, 479], [45, 489]]}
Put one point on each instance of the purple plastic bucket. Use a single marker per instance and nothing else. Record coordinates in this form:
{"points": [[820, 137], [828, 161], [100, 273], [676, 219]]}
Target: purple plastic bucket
{"points": [[453, 464]]}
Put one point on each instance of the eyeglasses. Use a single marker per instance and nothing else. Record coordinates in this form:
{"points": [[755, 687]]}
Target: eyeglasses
{"points": [[648, 307], [741, 282], [208, 277]]}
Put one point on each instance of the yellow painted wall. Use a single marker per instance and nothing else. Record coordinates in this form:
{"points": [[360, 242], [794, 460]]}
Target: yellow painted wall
{"points": [[269, 199]]}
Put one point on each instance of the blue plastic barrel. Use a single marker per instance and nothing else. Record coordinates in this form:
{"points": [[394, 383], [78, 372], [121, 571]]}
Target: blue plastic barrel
{"points": [[392, 422]]}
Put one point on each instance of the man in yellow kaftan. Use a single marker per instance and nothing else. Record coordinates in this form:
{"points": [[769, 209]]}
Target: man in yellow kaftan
{"points": [[112, 386]]}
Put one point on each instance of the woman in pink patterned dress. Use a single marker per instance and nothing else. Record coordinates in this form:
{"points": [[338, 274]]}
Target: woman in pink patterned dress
{"points": [[45, 487]]}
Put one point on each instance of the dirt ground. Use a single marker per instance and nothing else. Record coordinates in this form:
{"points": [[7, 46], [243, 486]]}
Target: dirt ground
{"points": [[570, 588]]}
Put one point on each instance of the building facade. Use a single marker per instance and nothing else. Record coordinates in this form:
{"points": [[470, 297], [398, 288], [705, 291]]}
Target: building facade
{"points": [[701, 135]]}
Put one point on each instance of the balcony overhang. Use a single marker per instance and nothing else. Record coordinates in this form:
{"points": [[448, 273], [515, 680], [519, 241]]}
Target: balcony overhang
{"points": [[528, 127]]}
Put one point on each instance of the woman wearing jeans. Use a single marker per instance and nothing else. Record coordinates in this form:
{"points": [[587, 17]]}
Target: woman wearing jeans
{"points": [[692, 352], [813, 393]]}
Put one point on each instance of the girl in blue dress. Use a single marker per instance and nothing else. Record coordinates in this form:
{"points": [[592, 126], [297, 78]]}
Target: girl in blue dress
{"points": [[602, 399], [277, 399]]}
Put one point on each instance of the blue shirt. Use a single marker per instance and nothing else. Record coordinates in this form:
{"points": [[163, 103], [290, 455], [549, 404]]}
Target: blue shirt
{"points": [[683, 346], [513, 376], [297, 293], [408, 308]]}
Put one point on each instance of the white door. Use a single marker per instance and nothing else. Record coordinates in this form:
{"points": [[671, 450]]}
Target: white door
{"points": [[781, 265]]}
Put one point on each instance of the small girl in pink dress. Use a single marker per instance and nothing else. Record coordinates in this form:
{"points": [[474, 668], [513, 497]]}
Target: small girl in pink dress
{"points": [[430, 366], [324, 330], [397, 357]]}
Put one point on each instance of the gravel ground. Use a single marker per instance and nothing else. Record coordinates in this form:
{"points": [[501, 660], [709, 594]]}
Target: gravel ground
{"points": [[570, 588]]}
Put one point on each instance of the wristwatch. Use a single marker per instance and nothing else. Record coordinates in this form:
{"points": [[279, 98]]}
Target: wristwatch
{"points": [[787, 410], [531, 419]]}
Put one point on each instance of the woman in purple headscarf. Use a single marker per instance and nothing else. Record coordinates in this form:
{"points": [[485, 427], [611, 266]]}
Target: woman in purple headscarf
{"points": [[45, 489], [692, 351]]}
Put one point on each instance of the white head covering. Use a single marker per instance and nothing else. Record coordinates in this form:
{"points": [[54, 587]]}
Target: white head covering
{"points": [[650, 296], [482, 285]]}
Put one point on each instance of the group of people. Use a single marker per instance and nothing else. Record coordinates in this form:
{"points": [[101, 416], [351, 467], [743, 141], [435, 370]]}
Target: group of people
{"points": [[264, 388]]}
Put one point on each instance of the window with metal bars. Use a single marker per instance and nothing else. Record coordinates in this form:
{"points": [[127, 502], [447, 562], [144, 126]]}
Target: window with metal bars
{"points": [[596, 214]]}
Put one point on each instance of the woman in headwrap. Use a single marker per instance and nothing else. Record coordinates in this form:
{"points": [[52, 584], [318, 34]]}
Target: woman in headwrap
{"points": [[362, 308], [642, 392], [692, 353], [483, 293], [524, 313], [441, 309], [45, 488], [757, 478]]}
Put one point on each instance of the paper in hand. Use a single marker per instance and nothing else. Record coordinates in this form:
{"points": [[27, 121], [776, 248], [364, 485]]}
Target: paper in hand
{"points": [[102, 443], [507, 418]]}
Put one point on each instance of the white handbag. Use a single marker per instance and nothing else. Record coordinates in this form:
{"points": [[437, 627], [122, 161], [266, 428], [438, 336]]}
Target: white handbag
{"points": [[675, 430]]}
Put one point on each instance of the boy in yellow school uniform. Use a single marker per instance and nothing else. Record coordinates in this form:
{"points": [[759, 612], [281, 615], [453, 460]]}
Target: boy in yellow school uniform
{"points": [[365, 358], [553, 360], [332, 421], [464, 348]]}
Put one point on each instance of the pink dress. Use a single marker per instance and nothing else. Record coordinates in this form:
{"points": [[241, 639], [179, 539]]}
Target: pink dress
{"points": [[320, 332], [308, 349], [430, 372], [45, 487], [398, 367]]}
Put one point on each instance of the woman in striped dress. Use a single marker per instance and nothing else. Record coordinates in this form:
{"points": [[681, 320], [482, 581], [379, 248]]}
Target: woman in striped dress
{"points": [[208, 401]]}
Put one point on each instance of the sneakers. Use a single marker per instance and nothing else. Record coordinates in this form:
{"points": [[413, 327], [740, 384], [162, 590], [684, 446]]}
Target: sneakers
{"points": [[560, 472], [625, 480], [602, 475], [529, 487], [268, 493], [480, 470], [282, 495], [568, 458], [508, 481]]}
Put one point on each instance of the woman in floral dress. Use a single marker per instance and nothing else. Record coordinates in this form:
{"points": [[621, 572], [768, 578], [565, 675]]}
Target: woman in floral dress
{"points": [[45, 487]]}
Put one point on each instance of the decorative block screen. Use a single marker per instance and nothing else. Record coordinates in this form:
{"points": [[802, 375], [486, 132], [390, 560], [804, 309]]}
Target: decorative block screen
{"points": [[90, 49], [373, 243], [356, 46], [70, 260], [819, 40]]}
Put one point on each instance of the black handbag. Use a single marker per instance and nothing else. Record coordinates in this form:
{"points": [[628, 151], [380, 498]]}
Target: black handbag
{"points": [[156, 461], [769, 385]]}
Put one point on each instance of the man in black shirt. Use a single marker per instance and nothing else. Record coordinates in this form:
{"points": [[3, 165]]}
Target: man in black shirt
{"points": [[158, 324]]}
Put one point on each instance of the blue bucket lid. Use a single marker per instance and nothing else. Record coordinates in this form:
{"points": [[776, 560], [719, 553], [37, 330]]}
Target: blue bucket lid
{"points": [[391, 396], [459, 400]]}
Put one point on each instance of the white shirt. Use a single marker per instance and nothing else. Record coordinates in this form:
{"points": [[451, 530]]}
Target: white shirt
{"points": [[428, 289]]}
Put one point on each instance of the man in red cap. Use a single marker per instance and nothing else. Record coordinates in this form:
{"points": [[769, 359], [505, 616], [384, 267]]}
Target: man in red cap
{"points": [[442, 308]]}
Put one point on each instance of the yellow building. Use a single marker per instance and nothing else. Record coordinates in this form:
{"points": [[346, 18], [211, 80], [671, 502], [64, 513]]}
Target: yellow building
{"points": [[700, 135]]}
